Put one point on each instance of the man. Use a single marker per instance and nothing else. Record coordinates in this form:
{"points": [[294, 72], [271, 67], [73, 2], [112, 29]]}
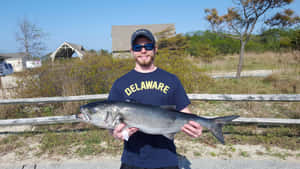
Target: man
{"points": [[148, 84]]}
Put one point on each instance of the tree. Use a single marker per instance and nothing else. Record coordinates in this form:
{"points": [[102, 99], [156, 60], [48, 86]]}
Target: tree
{"points": [[166, 33], [296, 40], [30, 38], [240, 21], [285, 19], [104, 52]]}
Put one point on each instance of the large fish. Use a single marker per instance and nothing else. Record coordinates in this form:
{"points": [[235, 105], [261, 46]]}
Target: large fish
{"points": [[147, 118]]}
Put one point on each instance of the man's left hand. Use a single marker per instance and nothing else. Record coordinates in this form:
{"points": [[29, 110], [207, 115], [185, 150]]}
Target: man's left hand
{"points": [[193, 129]]}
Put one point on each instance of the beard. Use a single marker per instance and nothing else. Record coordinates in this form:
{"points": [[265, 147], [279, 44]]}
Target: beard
{"points": [[143, 62]]}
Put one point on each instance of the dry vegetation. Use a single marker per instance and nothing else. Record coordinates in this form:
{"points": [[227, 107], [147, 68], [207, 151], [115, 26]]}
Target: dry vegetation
{"points": [[95, 74], [253, 61]]}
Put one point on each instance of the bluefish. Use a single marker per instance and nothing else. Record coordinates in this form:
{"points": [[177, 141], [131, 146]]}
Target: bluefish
{"points": [[147, 118]]}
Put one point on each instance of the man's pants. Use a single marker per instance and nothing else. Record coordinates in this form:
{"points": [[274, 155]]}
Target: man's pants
{"points": [[124, 166]]}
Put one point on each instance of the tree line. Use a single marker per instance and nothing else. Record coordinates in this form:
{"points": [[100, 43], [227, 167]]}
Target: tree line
{"points": [[242, 18], [228, 32], [207, 44]]}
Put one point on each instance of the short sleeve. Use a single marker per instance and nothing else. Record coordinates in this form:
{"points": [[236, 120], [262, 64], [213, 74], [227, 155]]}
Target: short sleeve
{"points": [[180, 97], [114, 93]]}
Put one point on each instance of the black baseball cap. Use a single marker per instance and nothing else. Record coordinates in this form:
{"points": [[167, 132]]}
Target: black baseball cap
{"points": [[142, 33]]}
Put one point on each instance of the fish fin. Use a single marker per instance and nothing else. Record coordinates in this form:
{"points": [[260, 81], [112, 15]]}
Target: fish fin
{"points": [[168, 107], [225, 119], [217, 124], [170, 135], [118, 119], [218, 133]]}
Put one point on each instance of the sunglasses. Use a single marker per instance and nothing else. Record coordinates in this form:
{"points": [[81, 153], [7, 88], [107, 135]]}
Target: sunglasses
{"points": [[138, 48]]}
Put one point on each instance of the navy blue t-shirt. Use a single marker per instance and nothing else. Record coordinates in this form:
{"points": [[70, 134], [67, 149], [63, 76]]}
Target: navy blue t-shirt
{"points": [[155, 88]]}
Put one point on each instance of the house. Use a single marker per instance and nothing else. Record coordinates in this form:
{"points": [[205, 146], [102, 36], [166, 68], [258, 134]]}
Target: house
{"points": [[17, 60], [121, 36], [66, 50]]}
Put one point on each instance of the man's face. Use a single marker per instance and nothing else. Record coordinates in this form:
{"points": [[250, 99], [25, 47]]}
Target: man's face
{"points": [[144, 57]]}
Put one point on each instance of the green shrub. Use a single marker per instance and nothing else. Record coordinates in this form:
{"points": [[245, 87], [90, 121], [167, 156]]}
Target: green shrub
{"points": [[191, 76], [94, 74]]}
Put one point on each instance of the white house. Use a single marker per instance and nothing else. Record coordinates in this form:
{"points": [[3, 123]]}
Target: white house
{"points": [[66, 50], [17, 60]]}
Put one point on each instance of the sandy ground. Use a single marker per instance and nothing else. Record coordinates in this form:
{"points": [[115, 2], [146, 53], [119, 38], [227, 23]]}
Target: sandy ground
{"points": [[194, 155], [197, 156]]}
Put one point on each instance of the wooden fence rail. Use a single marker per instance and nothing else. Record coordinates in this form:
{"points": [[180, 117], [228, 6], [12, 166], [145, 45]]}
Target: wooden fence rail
{"points": [[205, 97]]}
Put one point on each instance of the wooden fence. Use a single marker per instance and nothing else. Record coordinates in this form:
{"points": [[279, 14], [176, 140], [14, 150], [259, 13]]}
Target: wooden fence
{"points": [[253, 73], [203, 97]]}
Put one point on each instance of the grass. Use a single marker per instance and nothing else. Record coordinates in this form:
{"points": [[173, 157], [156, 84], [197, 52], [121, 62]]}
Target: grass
{"points": [[252, 61], [11, 143], [93, 142], [197, 154], [80, 143], [282, 137], [247, 109], [213, 154], [244, 153], [84, 140], [280, 155]]}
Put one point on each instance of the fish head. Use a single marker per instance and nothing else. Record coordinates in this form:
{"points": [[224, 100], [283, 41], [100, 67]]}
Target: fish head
{"points": [[101, 114]]}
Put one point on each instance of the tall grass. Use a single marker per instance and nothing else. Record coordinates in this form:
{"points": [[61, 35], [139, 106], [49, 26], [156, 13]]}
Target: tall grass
{"points": [[252, 61], [96, 74]]}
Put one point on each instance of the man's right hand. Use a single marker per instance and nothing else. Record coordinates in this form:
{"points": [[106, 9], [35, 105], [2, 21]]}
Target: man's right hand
{"points": [[117, 133]]}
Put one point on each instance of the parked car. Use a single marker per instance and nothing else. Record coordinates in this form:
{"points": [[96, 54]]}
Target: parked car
{"points": [[6, 69]]}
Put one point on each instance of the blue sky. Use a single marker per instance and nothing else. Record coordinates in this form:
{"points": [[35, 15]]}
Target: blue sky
{"points": [[88, 22]]}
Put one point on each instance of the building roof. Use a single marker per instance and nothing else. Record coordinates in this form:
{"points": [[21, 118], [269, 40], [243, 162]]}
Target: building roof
{"points": [[121, 34], [67, 49], [12, 55]]}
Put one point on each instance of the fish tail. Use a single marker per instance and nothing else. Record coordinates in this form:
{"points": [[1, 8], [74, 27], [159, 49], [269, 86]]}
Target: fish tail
{"points": [[217, 124]]}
